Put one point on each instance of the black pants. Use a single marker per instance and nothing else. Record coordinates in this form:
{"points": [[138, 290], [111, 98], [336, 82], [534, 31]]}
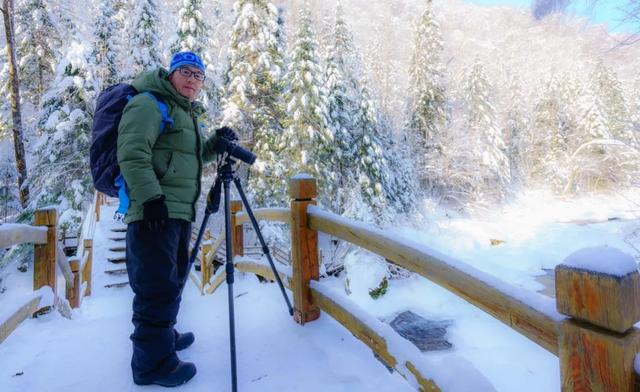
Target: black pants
{"points": [[158, 268]]}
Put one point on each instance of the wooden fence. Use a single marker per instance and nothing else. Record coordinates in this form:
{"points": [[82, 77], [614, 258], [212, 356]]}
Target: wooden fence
{"points": [[596, 352], [49, 258]]}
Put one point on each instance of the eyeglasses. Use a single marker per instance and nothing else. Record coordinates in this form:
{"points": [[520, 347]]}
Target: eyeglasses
{"points": [[187, 73]]}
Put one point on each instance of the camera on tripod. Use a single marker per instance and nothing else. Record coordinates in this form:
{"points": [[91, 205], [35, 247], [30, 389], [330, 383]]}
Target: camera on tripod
{"points": [[225, 143]]}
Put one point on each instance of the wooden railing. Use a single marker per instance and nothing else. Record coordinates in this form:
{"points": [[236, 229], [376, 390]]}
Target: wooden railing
{"points": [[595, 352], [49, 257]]}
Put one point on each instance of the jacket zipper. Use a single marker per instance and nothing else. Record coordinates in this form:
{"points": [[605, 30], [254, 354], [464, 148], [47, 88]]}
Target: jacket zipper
{"points": [[199, 158]]}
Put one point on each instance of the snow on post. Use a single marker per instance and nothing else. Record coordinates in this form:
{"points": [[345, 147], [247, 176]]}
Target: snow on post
{"points": [[600, 286], [599, 289], [304, 248]]}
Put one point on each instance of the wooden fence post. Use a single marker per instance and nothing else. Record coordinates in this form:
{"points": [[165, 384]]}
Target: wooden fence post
{"points": [[87, 271], [237, 232], [44, 256], [73, 294], [598, 343], [96, 207], [304, 248], [205, 268]]}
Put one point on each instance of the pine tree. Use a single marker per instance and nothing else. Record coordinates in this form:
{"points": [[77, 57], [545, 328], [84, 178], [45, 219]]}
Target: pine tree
{"points": [[37, 48], [307, 139], [516, 130], [61, 173], [372, 167], [145, 41], [357, 130], [492, 162], [426, 113], [104, 56], [9, 204], [253, 92], [614, 106], [548, 143]]}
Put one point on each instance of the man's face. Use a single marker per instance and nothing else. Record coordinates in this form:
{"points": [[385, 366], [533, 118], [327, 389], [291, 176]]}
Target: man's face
{"points": [[187, 86]]}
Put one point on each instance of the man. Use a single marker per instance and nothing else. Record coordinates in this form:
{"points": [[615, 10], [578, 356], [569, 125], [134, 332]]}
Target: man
{"points": [[161, 166]]}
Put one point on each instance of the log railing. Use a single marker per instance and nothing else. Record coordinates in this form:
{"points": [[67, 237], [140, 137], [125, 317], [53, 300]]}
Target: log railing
{"points": [[595, 353], [49, 258]]}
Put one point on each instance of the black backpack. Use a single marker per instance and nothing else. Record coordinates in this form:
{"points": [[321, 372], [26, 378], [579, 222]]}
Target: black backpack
{"points": [[104, 134]]}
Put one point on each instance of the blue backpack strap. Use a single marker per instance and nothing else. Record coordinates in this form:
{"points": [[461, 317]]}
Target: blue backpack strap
{"points": [[123, 196], [167, 121], [123, 192]]}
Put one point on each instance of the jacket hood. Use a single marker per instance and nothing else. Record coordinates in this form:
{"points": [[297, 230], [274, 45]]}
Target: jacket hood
{"points": [[157, 81]]}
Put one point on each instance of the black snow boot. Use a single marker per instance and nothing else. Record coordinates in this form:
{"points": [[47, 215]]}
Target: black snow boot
{"points": [[178, 376], [184, 340]]}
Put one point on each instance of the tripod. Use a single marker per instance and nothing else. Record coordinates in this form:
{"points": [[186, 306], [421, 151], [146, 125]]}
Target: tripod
{"points": [[226, 174]]}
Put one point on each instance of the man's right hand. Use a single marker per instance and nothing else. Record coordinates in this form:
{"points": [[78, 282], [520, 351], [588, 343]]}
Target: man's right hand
{"points": [[155, 214], [227, 133]]}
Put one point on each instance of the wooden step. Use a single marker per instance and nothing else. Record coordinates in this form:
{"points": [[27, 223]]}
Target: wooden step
{"points": [[117, 260], [116, 272], [117, 239], [120, 230], [118, 249], [116, 285]]}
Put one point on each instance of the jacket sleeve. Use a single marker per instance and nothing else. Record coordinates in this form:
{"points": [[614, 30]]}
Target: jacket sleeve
{"points": [[137, 133], [208, 152]]}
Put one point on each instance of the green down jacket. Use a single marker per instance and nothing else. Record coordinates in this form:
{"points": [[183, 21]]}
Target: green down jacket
{"points": [[168, 163]]}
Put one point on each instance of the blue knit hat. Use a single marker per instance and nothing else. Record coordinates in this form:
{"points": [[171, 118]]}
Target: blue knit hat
{"points": [[186, 58]]}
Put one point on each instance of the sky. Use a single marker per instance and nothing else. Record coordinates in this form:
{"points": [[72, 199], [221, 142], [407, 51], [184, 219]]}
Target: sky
{"points": [[606, 11]]}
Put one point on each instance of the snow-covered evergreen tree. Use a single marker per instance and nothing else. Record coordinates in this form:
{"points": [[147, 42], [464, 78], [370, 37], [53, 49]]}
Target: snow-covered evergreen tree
{"points": [[194, 34], [489, 149], [193, 30], [9, 199], [614, 106], [355, 124], [38, 48], [516, 130], [372, 167], [145, 40], [253, 92], [307, 141], [60, 175], [426, 105], [105, 55]]}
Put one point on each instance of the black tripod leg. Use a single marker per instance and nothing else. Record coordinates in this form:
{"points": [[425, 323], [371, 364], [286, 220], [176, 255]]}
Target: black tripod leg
{"points": [[265, 248], [230, 279]]}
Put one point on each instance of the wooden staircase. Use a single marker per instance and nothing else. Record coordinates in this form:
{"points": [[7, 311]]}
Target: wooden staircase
{"points": [[118, 258]]}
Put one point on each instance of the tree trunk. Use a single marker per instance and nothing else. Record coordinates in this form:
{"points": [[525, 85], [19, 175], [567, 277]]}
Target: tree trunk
{"points": [[14, 97]]}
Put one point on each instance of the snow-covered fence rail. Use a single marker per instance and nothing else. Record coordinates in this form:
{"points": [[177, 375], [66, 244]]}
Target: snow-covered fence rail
{"points": [[15, 234], [590, 326], [48, 258]]}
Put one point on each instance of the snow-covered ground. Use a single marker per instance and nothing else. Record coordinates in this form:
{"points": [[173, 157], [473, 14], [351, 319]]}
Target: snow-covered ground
{"points": [[93, 350]]}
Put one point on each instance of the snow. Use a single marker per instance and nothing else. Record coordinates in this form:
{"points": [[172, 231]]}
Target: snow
{"points": [[602, 259], [15, 303], [536, 301], [302, 176], [446, 376]]}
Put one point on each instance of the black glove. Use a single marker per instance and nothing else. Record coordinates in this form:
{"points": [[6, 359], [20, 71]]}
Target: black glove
{"points": [[227, 133], [155, 214]]}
